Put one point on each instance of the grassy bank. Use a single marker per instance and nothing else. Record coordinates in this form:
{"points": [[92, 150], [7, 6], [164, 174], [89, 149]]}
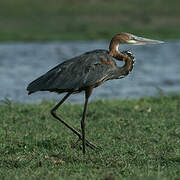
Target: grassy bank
{"points": [[140, 138], [86, 20]]}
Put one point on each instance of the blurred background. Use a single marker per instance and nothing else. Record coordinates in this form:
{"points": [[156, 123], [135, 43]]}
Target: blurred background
{"points": [[36, 35]]}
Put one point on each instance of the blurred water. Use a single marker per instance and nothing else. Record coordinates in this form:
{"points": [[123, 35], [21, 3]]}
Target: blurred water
{"points": [[157, 66]]}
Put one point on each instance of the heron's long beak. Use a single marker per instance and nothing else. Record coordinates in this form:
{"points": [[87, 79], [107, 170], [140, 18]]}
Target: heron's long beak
{"points": [[141, 41]]}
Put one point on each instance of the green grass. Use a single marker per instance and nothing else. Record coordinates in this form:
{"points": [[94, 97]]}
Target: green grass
{"points": [[29, 20], [140, 140]]}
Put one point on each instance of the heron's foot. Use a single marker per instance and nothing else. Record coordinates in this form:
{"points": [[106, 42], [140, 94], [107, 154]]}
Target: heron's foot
{"points": [[92, 146], [88, 144]]}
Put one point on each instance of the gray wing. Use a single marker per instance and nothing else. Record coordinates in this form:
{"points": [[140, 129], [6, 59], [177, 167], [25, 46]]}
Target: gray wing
{"points": [[76, 73]]}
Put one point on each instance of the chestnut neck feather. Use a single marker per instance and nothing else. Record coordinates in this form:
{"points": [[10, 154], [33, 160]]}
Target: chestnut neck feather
{"points": [[114, 52]]}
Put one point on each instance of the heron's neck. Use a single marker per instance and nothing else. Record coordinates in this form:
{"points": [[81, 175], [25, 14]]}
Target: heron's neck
{"points": [[115, 53], [113, 49]]}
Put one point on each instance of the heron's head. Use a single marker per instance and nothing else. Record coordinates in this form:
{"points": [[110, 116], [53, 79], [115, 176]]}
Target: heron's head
{"points": [[127, 38]]}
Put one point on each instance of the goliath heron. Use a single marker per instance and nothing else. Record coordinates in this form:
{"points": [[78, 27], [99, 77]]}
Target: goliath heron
{"points": [[87, 71]]}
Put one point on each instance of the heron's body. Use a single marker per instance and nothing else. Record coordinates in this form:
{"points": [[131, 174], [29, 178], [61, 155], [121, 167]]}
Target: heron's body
{"points": [[87, 71]]}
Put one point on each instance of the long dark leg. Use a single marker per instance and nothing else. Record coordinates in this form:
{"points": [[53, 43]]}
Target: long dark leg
{"points": [[53, 112], [87, 95]]}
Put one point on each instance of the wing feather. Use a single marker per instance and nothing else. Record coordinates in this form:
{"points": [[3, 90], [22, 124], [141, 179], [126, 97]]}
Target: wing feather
{"points": [[76, 73]]}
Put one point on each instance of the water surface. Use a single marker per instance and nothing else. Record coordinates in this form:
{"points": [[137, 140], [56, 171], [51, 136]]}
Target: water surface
{"points": [[157, 67]]}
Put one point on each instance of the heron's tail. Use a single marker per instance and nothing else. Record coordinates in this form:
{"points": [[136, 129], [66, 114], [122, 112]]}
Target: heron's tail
{"points": [[37, 84]]}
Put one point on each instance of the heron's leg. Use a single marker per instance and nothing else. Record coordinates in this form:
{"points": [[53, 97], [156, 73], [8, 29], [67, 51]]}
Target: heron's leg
{"points": [[87, 95], [53, 112]]}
